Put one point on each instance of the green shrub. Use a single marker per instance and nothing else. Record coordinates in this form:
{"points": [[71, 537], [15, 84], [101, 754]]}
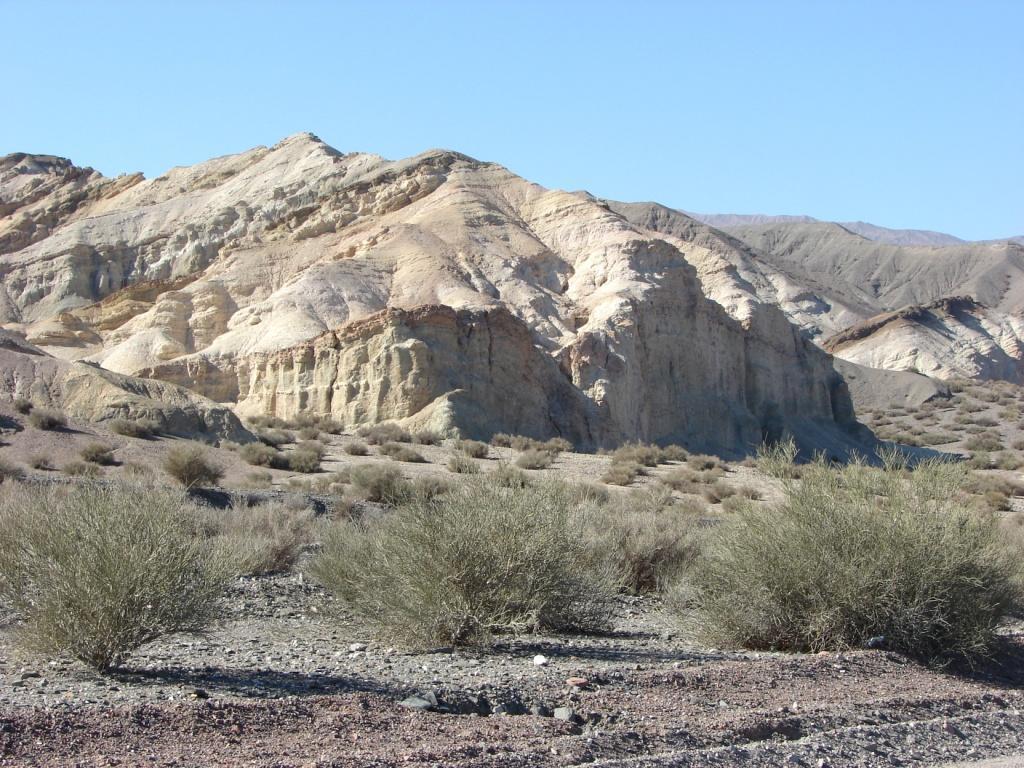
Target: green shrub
{"points": [[473, 448], [258, 454], [262, 539], [23, 405], [190, 466], [648, 540], [97, 571], [385, 432], [98, 453], [80, 469], [47, 418], [138, 428], [621, 473], [356, 448], [853, 554], [379, 482], [463, 465], [477, 560], [533, 459], [778, 459]]}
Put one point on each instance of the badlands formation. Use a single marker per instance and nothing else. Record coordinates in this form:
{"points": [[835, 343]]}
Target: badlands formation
{"points": [[438, 290]]}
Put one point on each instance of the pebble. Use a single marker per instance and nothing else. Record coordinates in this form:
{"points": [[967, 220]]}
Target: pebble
{"points": [[540, 660]]}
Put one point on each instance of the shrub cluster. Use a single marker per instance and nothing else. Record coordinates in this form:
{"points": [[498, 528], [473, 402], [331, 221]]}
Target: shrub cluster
{"points": [[385, 432], [139, 428], [47, 418], [190, 466]]}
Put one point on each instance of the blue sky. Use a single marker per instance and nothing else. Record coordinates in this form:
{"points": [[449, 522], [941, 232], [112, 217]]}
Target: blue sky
{"points": [[905, 114]]}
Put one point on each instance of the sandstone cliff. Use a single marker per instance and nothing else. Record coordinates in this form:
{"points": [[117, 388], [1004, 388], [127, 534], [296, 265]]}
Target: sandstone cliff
{"points": [[437, 289]]}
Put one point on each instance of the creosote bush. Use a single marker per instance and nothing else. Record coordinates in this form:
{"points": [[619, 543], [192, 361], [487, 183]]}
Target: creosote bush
{"points": [[261, 539], [476, 560], [97, 571], [98, 453], [190, 466], [138, 428], [379, 482], [622, 473], [473, 448], [47, 418], [303, 460], [385, 432], [461, 464], [534, 459], [778, 459], [356, 448], [857, 553], [258, 454], [426, 437]]}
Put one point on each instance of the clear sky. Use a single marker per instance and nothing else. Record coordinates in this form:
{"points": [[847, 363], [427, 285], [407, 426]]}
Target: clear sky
{"points": [[904, 114]]}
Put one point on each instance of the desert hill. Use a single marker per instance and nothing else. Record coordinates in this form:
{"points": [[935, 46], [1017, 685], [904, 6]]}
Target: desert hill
{"points": [[439, 290]]}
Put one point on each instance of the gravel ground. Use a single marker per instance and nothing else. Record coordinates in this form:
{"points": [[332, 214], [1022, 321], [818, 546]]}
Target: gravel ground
{"points": [[287, 680]]}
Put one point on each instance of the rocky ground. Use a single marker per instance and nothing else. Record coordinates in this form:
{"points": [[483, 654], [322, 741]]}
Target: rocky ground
{"points": [[289, 680]]}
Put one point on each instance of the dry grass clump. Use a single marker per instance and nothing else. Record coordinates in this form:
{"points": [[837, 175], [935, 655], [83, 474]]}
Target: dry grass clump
{"points": [[461, 464], [98, 453], [426, 437], [984, 442], [356, 448], [259, 454], [701, 461], [718, 491], [473, 448], [39, 461], [23, 405], [458, 568], [309, 433], [558, 445], [778, 459], [534, 459], [501, 440], [275, 437], [646, 538], [259, 479], [508, 476], [190, 466], [142, 429], [303, 460], [674, 453], [80, 469], [262, 539], [399, 452], [622, 473], [9, 470], [47, 418], [385, 432], [379, 482], [638, 453], [97, 571], [854, 554]]}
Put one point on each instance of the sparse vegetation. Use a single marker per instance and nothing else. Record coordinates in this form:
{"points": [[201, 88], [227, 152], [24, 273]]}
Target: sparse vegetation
{"points": [[47, 419], [138, 428], [385, 432], [426, 437], [98, 453], [303, 460], [534, 459], [778, 459], [9, 470], [80, 469], [96, 571], [462, 464], [473, 448], [622, 473], [190, 466], [508, 476], [356, 448], [259, 454], [23, 405], [858, 553], [474, 561], [379, 482], [261, 539]]}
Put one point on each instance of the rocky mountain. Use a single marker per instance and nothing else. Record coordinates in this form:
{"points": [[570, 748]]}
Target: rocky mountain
{"points": [[439, 290]]}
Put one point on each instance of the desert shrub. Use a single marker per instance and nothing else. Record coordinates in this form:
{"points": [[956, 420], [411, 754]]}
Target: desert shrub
{"points": [[311, 446], [637, 453], [303, 461], [330, 426], [622, 473], [473, 448], [533, 459], [259, 478], [717, 491], [405, 453], [522, 443], [97, 571], [9, 470], [558, 445], [47, 418], [778, 459], [139, 428], [429, 486], [385, 432], [258, 454], [426, 437], [462, 464], [701, 461], [39, 461], [732, 504], [23, 405], [853, 554], [275, 437], [309, 433], [508, 476], [682, 479], [646, 539], [984, 442], [985, 421], [190, 466], [1008, 461], [80, 469], [379, 482], [261, 539], [967, 406], [748, 492], [938, 438], [674, 453], [476, 560], [97, 453], [501, 440], [356, 448]]}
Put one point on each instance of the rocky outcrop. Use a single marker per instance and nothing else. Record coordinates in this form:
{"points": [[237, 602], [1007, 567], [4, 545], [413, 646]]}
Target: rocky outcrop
{"points": [[439, 289], [89, 393]]}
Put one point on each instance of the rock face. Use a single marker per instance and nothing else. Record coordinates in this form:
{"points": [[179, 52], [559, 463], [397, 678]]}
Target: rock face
{"points": [[89, 393], [438, 289]]}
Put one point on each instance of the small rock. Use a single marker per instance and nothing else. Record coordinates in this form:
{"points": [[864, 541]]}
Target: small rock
{"points": [[568, 714], [357, 647], [29, 675], [417, 703], [199, 693], [540, 660], [878, 641], [540, 710], [578, 682]]}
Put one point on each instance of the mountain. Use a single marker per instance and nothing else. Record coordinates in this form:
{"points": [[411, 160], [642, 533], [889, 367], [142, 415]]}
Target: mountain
{"points": [[438, 290]]}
